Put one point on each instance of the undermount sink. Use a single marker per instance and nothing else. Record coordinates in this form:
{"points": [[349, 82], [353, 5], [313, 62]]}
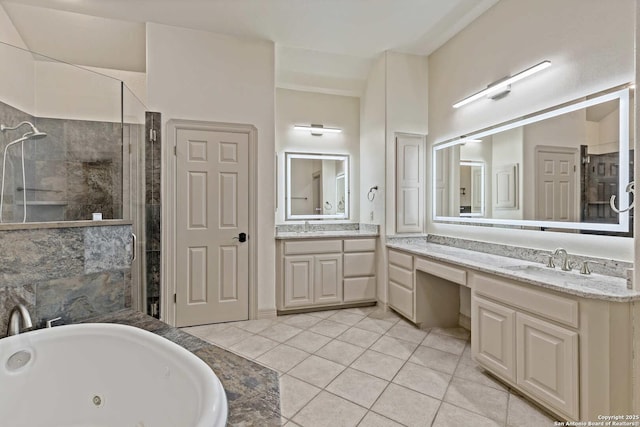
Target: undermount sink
{"points": [[542, 271]]}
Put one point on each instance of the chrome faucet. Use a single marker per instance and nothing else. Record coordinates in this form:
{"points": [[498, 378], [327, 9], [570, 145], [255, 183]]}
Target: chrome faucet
{"points": [[19, 319], [566, 266]]}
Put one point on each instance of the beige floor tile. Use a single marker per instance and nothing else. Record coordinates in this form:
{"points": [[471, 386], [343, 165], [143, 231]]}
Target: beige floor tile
{"points": [[317, 371], [435, 359], [254, 326], [282, 358], [382, 314], [329, 328], [359, 337], [375, 420], [424, 380], [327, 410], [357, 387], [302, 321], [280, 332], [227, 337], [323, 314], [308, 341], [406, 406], [364, 311], [466, 354], [522, 413], [292, 424], [253, 346], [407, 333], [460, 333], [375, 325], [474, 397], [452, 416], [340, 352], [394, 347], [378, 364], [470, 370], [294, 394], [346, 318], [445, 343]]}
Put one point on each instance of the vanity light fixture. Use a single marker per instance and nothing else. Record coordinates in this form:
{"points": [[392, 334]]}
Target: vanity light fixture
{"points": [[317, 130], [494, 89]]}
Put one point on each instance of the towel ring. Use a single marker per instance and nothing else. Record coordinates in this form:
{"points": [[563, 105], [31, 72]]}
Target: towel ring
{"points": [[629, 189], [328, 206], [371, 195]]}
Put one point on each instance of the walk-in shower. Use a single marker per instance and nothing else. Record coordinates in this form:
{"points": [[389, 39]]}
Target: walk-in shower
{"points": [[34, 134]]}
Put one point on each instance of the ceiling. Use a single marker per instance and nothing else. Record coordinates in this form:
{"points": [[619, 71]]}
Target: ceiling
{"points": [[330, 42]]}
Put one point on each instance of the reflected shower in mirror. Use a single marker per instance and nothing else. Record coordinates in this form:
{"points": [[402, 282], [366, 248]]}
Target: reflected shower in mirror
{"points": [[551, 170], [317, 186]]}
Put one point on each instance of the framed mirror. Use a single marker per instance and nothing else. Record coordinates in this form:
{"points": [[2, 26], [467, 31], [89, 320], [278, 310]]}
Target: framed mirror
{"points": [[317, 186], [555, 169]]}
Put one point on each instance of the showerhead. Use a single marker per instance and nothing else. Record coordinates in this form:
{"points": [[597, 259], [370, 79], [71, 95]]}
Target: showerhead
{"points": [[34, 134]]}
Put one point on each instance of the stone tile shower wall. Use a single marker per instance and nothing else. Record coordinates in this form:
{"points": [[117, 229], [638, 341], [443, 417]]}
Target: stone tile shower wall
{"points": [[72, 272], [73, 172], [152, 208]]}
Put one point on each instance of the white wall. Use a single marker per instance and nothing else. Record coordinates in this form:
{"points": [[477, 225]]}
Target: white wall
{"points": [[297, 107], [407, 112], [203, 76], [591, 47], [17, 73]]}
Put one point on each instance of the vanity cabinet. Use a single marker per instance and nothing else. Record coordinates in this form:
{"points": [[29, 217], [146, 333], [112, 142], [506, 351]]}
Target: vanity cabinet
{"points": [[425, 292], [517, 337], [570, 353], [325, 272]]}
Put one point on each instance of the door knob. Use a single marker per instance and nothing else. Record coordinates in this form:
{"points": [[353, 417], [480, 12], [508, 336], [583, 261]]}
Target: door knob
{"points": [[242, 237]]}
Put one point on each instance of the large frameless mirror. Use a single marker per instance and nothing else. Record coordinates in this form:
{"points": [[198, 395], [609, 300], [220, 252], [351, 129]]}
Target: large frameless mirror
{"points": [[555, 169], [317, 186]]}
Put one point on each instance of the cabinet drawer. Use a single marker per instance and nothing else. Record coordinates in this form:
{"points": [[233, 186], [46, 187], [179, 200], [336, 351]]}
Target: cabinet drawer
{"points": [[360, 264], [401, 276], [359, 289], [312, 247], [360, 245], [401, 299], [401, 260], [545, 304], [450, 273]]}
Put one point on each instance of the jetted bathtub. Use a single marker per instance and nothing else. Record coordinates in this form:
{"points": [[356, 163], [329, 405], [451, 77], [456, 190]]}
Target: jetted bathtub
{"points": [[105, 375]]}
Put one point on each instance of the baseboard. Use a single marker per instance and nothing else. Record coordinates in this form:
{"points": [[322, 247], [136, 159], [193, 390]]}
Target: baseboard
{"points": [[464, 322], [266, 314]]}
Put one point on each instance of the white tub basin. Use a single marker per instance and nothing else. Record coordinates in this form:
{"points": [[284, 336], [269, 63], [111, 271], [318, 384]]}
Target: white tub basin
{"points": [[105, 375]]}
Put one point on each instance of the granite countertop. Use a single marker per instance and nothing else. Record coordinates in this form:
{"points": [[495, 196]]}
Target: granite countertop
{"points": [[285, 235], [594, 286], [253, 391]]}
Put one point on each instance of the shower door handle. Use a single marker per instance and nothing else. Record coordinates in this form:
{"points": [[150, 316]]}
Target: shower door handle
{"points": [[134, 252]]}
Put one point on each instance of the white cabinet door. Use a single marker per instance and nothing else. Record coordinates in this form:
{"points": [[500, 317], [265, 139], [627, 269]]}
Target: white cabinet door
{"points": [[298, 280], [328, 278], [548, 363], [493, 340]]}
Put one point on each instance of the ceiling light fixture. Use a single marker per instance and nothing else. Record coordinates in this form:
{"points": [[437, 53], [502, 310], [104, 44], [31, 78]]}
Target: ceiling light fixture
{"points": [[317, 129], [494, 89]]}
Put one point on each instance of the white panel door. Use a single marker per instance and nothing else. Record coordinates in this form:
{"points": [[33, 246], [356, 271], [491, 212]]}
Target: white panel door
{"points": [[212, 209], [556, 175], [409, 183], [548, 363]]}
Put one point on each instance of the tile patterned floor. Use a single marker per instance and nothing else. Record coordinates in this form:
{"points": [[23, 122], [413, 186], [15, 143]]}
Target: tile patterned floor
{"points": [[368, 367]]}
